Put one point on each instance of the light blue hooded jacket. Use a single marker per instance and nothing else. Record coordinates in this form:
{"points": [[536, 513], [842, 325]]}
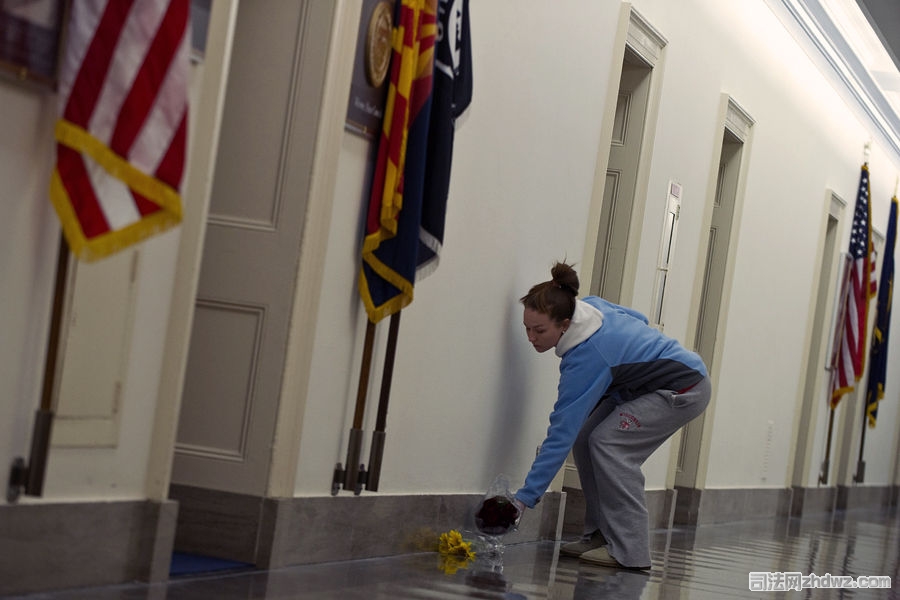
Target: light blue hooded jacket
{"points": [[607, 350]]}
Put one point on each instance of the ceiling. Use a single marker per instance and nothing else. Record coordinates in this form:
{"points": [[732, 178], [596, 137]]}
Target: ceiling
{"points": [[881, 18], [856, 43], [884, 17]]}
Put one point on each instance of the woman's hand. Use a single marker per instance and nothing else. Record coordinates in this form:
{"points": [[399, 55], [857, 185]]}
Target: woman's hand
{"points": [[520, 506]]}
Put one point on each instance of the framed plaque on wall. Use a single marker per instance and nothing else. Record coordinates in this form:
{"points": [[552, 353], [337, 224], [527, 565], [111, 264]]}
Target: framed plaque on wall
{"points": [[368, 90], [30, 39]]}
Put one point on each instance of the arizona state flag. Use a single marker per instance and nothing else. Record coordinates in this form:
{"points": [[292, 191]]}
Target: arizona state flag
{"points": [[122, 128], [389, 253], [878, 364]]}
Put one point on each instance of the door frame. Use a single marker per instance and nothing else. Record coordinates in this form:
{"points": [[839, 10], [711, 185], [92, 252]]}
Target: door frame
{"points": [[735, 119], [812, 400], [637, 34]]}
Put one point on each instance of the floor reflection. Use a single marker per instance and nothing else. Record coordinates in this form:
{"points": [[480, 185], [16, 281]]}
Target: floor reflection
{"points": [[688, 563]]}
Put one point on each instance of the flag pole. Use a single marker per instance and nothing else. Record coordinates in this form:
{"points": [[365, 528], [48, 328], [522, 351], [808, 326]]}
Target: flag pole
{"points": [[823, 474], [860, 475], [378, 436], [30, 476], [354, 446]]}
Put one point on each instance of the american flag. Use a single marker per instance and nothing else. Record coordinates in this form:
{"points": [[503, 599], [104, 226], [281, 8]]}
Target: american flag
{"points": [[122, 128], [862, 285]]}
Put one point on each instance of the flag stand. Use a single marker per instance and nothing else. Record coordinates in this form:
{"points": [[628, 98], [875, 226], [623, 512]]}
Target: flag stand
{"points": [[860, 463], [354, 477], [348, 478], [30, 476], [412, 164], [833, 365]]}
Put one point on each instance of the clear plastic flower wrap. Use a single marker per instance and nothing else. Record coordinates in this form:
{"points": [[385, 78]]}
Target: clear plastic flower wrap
{"points": [[497, 514]]}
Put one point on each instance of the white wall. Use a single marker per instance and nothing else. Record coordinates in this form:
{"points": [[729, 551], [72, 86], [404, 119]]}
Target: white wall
{"points": [[470, 399]]}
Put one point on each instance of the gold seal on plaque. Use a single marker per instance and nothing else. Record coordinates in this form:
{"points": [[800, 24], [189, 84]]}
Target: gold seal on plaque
{"points": [[378, 44]]}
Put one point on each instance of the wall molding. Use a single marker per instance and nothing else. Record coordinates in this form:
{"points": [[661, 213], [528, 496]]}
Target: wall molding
{"points": [[813, 28]]}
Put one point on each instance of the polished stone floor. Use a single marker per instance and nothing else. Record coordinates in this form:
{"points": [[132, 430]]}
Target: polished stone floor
{"points": [[713, 561]]}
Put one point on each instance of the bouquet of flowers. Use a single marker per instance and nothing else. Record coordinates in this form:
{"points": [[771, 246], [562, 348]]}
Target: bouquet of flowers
{"points": [[455, 552], [453, 544]]}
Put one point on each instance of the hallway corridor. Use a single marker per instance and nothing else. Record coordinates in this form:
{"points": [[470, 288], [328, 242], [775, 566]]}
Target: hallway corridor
{"points": [[712, 561]]}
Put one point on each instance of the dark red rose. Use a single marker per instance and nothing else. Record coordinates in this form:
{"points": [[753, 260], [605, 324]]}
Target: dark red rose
{"points": [[496, 515]]}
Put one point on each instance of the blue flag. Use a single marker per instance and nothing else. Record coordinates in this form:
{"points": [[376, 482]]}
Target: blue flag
{"points": [[452, 95], [878, 361]]}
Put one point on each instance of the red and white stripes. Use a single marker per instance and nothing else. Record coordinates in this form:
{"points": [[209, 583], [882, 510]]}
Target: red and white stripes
{"points": [[122, 130]]}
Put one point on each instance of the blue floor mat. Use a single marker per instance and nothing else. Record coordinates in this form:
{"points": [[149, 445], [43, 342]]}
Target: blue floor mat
{"points": [[192, 564]]}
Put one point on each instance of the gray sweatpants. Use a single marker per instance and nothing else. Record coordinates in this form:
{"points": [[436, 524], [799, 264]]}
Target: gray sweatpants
{"points": [[611, 447]]}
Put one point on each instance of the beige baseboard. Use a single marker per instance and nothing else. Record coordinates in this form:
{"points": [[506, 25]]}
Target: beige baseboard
{"points": [[689, 506], [278, 532], [65, 545]]}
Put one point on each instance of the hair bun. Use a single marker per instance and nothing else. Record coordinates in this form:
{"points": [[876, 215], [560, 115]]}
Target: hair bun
{"points": [[564, 277]]}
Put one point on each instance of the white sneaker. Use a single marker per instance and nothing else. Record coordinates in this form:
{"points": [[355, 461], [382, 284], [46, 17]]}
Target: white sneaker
{"points": [[585, 544]]}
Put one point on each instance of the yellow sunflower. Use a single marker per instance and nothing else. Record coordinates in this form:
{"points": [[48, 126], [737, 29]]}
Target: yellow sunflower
{"points": [[453, 544]]}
